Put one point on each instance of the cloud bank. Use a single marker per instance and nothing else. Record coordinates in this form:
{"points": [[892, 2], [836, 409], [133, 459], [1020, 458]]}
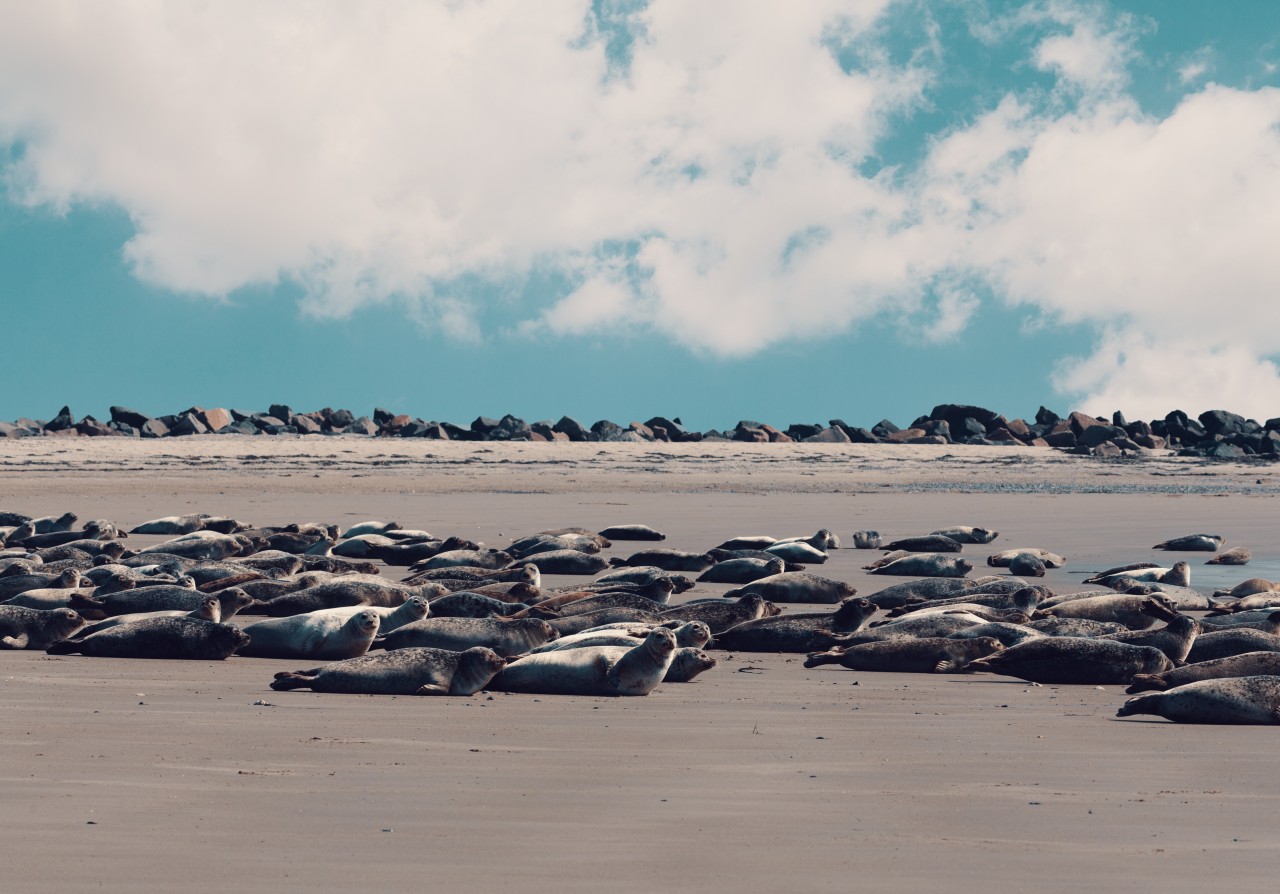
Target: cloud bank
{"points": [[710, 171]]}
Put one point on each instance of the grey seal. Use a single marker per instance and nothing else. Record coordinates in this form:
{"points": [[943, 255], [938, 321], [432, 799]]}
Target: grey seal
{"points": [[413, 671]]}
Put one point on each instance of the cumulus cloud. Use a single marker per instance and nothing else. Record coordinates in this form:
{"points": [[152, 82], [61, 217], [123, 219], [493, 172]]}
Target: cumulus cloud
{"points": [[703, 170]]}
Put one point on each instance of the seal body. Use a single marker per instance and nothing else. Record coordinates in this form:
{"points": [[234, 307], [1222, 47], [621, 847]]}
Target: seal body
{"points": [[505, 637], [797, 586], [32, 628], [183, 638], [804, 632], [1248, 664], [1075, 660], [321, 637], [1203, 543], [605, 670], [911, 656], [1251, 700], [412, 671]]}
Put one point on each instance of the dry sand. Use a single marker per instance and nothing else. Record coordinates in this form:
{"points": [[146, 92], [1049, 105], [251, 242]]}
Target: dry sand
{"points": [[759, 776]]}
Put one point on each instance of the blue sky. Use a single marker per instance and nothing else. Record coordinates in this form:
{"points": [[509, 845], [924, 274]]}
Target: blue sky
{"points": [[629, 209]]}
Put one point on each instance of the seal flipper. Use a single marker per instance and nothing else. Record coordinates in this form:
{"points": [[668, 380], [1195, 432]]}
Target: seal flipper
{"points": [[430, 689], [1146, 683], [15, 642], [285, 680], [946, 666], [1143, 704], [66, 647]]}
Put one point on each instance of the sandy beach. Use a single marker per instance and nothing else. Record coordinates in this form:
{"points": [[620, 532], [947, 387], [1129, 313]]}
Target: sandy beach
{"points": [[127, 775]]}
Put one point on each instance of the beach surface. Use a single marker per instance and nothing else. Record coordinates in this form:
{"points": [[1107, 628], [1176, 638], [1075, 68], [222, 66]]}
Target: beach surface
{"points": [[126, 775]]}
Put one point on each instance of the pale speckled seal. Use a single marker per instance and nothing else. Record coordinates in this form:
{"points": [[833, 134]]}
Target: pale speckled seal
{"points": [[320, 637], [414, 671], [32, 628]]}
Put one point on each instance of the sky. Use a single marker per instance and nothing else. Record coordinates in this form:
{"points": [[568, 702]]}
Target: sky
{"points": [[719, 210]]}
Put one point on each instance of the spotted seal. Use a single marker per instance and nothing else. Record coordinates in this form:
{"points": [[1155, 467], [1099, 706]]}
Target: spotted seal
{"points": [[909, 656], [506, 637], [688, 663], [926, 565], [1246, 664]]}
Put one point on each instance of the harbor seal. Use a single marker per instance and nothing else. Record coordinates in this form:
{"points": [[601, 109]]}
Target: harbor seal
{"points": [[799, 552], [909, 656], [803, 632], [491, 559], [1005, 559], [1074, 660], [968, 534], [1253, 700], [33, 628], [1200, 543], [1236, 641], [646, 574], [568, 561], [210, 610], [667, 560], [741, 571], [370, 527], [721, 615], [1175, 639], [413, 671], [1133, 612], [1238, 556], [632, 532], [320, 637], [866, 539], [926, 565], [176, 638], [606, 670], [797, 586], [1247, 664], [929, 543], [687, 664], [415, 608], [1027, 565], [506, 637]]}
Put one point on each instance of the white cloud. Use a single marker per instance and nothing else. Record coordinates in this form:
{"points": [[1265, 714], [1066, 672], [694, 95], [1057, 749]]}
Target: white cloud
{"points": [[711, 189]]}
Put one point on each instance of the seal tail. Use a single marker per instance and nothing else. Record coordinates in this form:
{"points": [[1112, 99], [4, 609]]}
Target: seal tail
{"points": [[1145, 683], [285, 681], [1143, 704]]}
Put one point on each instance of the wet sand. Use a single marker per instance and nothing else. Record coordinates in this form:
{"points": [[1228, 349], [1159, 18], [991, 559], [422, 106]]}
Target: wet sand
{"points": [[760, 775]]}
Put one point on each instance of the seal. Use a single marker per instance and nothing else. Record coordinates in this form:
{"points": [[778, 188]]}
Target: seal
{"points": [[568, 561], [203, 545], [1247, 664], [1074, 627], [370, 527], [322, 637], [185, 524], [16, 580], [797, 551], [177, 638], [1266, 620], [1179, 575], [1174, 640], [646, 574], [210, 610], [1008, 634], [1247, 588], [687, 664], [1236, 641], [866, 539], [1238, 556], [1133, 612], [604, 670], [615, 599], [415, 608], [351, 589], [31, 628], [1074, 660], [741, 571], [491, 559], [1005, 558], [1199, 543], [465, 604], [1027, 565], [797, 586], [416, 671], [968, 534], [802, 632], [1252, 700], [165, 597], [926, 565], [632, 532], [545, 543], [930, 543], [720, 615], [602, 616], [909, 656], [667, 560], [506, 637], [690, 635]]}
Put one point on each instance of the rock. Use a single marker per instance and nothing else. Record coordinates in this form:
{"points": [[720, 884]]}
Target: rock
{"points": [[1047, 417], [62, 422], [362, 426], [131, 418], [799, 431], [642, 430], [381, 416], [1060, 439], [281, 411], [339, 418], [307, 424], [188, 424], [509, 428], [153, 428], [483, 425], [604, 430], [884, 428], [1081, 421], [902, 436], [1098, 434], [214, 419], [1220, 422], [9, 430], [1106, 450], [955, 414], [573, 428], [832, 435], [750, 435]]}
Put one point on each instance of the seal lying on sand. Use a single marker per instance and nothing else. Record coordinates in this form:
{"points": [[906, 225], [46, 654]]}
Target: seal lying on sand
{"points": [[605, 670], [414, 671], [185, 638], [33, 628], [1254, 700], [911, 656], [1074, 660]]}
